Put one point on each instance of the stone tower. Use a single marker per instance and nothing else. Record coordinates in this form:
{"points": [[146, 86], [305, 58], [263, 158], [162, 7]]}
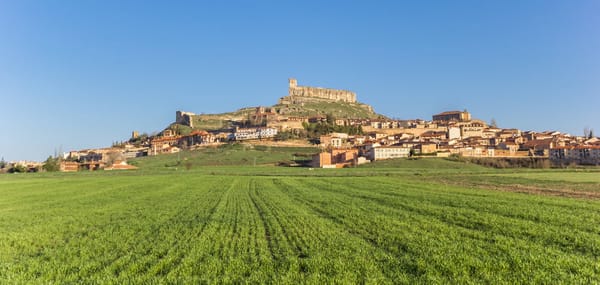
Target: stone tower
{"points": [[293, 82]]}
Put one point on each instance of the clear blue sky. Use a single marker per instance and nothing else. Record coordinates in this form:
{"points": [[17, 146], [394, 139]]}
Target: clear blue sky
{"points": [[82, 74]]}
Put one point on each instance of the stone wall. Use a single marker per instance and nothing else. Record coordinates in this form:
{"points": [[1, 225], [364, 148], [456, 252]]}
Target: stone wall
{"points": [[184, 118], [318, 92]]}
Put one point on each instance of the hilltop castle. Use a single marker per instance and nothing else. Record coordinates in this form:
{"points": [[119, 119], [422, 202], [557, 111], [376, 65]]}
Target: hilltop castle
{"points": [[300, 94]]}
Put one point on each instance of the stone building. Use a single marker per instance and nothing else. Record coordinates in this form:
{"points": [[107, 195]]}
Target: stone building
{"points": [[184, 118], [452, 116], [300, 94], [583, 154]]}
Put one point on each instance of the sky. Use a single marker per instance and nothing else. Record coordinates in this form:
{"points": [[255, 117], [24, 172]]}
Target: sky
{"points": [[83, 74]]}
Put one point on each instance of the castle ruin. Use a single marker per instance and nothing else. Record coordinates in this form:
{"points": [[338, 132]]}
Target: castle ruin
{"points": [[300, 94], [184, 118]]}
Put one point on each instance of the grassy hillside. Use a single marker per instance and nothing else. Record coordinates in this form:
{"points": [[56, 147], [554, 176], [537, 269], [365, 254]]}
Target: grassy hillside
{"points": [[322, 108], [337, 109], [233, 224], [228, 154]]}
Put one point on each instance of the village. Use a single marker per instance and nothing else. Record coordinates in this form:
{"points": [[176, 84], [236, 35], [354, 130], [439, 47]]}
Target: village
{"points": [[343, 142], [448, 133]]}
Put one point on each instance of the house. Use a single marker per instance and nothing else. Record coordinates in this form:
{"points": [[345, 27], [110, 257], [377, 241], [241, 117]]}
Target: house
{"points": [[330, 141], [510, 146], [120, 165], [490, 132], [252, 133], [197, 137], [69, 166], [387, 152], [433, 135], [582, 154], [539, 147], [453, 133], [509, 133], [452, 116], [476, 151], [474, 129], [322, 160], [336, 158], [426, 148]]}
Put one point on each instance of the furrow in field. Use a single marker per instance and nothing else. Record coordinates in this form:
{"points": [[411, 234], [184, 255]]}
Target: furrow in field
{"points": [[316, 241], [561, 216], [473, 219], [229, 248], [160, 246], [429, 228]]}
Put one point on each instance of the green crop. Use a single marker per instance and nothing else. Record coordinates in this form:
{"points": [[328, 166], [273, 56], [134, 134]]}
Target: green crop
{"points": [[281, 225]]}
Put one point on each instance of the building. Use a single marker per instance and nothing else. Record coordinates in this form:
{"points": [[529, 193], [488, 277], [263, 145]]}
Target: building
{"points": [[336, 158], [300, 94], [241, 134], [69, 166], [426, 148], [452, 116], [539, 147], [453, 133], [474, 129], [185, 118], [330, 141], [387, 152], [583, 154]]}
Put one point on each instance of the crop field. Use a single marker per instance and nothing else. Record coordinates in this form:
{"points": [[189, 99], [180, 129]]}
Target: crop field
{"points": [[414, 222], [589, 177]]}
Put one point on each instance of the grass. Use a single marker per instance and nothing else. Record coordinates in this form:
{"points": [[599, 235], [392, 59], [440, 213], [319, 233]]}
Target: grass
{"points": [[337, 109], [228, 154], [401, 221], [564, 176]]}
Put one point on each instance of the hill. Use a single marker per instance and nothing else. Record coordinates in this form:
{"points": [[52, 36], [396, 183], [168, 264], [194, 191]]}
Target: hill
{"points": [[301, 103]]}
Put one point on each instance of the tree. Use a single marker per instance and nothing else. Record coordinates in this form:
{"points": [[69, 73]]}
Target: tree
{"points": [[283, 136], [2, 163], [493, 123], [330, 119], [586, 132], [51, 164]]}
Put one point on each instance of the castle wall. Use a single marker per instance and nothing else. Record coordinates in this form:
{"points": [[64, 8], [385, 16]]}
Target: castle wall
{"points": [[184, 118], [322, 93]]}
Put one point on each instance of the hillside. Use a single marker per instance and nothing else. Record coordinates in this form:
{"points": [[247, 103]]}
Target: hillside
{"points": [[309, 109], [225, 155], [337, 109], [302, 101]]}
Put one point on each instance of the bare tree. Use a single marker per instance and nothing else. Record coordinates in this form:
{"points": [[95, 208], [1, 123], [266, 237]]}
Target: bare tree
{"points": [[493, 123], [587, 132]]}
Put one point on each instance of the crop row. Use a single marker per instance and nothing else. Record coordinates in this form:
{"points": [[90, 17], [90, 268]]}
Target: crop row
{"points": [[276, 229]]}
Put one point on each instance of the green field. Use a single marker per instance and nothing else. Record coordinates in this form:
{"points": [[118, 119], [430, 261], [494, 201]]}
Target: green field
{"points": [[424, 221]]}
